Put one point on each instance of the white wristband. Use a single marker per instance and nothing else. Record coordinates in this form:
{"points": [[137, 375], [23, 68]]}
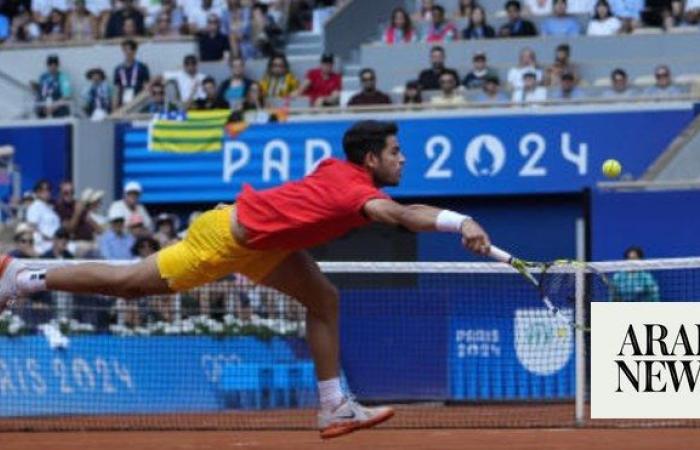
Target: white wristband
{"points": [[450, 221]]}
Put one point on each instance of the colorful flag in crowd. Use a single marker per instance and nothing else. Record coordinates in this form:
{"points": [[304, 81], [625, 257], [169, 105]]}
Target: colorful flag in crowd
{"points": [[190, 132]]}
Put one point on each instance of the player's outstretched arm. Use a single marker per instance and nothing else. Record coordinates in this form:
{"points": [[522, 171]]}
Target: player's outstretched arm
{"points": [[428, 218]]}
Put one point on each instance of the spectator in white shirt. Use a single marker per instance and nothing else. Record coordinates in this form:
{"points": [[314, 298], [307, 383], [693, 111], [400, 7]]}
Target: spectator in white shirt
{"points": [[449, 92], [538, 7], [42, 217], [129, 206], [188, 80], [197, 15], [530, 92], [526, 64], [603, 23]]}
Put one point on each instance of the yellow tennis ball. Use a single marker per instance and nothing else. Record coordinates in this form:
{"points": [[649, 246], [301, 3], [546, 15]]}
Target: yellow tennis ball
{"points": [[612, 168]]}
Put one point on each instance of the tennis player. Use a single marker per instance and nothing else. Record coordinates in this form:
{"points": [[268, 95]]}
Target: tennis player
{"points": [[263, 236]]}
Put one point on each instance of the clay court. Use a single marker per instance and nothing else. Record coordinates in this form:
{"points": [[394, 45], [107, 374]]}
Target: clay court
{"points": [[492, 427], [491, 439]]}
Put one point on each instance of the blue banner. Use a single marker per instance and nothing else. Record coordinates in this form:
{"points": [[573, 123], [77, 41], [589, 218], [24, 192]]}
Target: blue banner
{"points": [[504, 154], [40, 152], [106, 374]]}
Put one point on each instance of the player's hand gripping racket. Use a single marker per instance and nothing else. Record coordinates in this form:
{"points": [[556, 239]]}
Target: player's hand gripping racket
{"points": [[554, 280]]}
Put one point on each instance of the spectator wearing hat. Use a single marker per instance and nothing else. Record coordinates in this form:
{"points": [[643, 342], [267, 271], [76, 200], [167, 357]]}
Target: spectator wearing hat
{"points": [[491, 91], [59, 249], [24, 242], [42, 216], [166, 230], [369, 95], [53, 91], [480, 70], [129, 205], [97, 97], [322, 85], [567, 88], [188, 80], [562, 63], [516, 25], [93, 205], [131, 76], [530, 91], [429, 79], [116, 243]]}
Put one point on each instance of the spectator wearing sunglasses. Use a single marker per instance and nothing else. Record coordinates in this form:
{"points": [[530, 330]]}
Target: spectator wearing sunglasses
{"points": [[369, 94], [663, 87], [213, 45], [24, 242], [157, 104]]}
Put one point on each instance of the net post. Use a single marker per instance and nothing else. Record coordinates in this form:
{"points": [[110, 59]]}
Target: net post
{"points": [[580, 317]]}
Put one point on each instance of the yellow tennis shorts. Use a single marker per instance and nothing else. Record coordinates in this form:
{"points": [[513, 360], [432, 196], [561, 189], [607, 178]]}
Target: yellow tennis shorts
{"points": [[209, 252]]}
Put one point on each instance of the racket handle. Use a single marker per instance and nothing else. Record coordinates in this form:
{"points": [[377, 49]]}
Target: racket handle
{"points": [[500, 255]]}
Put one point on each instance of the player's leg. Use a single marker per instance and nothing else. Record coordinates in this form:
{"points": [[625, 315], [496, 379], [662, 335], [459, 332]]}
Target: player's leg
{"points": [[126, 281], [300, 277]]}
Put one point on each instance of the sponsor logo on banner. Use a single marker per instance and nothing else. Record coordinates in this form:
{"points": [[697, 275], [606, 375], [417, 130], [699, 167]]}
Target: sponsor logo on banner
{"points": [[543, 343], [645, 360], [485, 155]]}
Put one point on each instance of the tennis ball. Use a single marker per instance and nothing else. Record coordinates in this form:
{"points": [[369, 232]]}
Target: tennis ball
{"points": [[612, 168]]}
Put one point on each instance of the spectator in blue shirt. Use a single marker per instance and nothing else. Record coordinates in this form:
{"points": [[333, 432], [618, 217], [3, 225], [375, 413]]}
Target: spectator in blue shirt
{"points": [[620, 87], [629, 11], [491, 92], [97, 97], [116, 243], [4, 27], [664, 86], [634, 285], [560, 24], [53, 91], [131, 76], [567, 88]]}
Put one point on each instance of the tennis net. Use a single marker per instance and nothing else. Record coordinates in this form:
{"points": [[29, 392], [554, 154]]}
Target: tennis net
{"points": [[451, 344]]}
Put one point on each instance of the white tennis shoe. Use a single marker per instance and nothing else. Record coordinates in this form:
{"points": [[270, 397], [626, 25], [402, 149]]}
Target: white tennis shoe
{"points": [[9, 267], [351, 416]]}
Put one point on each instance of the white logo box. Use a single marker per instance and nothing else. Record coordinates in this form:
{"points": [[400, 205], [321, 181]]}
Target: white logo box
{"points": [[643, 386]]}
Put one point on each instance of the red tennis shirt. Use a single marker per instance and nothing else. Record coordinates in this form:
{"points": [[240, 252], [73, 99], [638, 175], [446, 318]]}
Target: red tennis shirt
{"points": [[316, 209]]}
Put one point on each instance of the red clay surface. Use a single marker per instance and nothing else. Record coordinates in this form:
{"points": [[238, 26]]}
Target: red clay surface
{"points": [[560, 415], [489, 439]]}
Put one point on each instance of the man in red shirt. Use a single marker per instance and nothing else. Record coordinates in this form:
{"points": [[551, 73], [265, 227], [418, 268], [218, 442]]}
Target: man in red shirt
{"points": [[322, 85], [264, 236]]}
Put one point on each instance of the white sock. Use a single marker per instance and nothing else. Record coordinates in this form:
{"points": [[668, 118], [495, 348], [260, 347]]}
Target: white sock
{"points": [[330, 393], [31, 281]]}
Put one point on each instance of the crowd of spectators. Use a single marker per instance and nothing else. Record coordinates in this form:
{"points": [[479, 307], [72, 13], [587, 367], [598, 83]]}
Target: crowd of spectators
{"points": [[235, 30], [244, 27], [193, 89], [65, 226], [527, 81], [431, 23]]}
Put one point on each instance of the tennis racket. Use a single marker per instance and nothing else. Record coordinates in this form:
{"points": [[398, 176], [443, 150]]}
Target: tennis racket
{"points": [[555, 280]]}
